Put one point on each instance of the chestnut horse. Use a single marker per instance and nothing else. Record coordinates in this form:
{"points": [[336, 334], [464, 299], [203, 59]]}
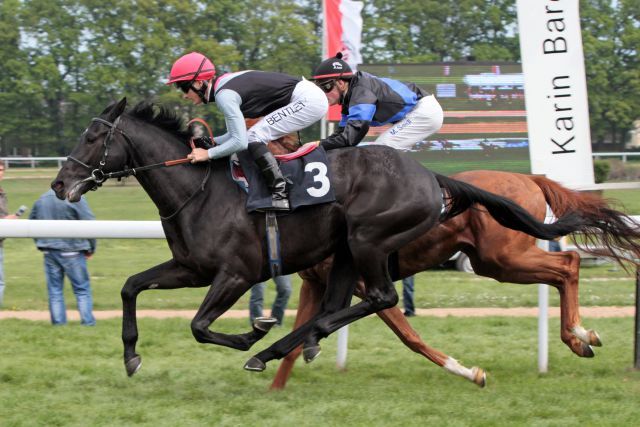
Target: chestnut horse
{"points": [[496, 252]]}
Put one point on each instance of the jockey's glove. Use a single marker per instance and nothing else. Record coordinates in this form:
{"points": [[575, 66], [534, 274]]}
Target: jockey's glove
{"points": [[205, 142]]}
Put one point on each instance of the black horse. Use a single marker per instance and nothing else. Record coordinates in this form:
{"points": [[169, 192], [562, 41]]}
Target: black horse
{"points": [[384, 201]]}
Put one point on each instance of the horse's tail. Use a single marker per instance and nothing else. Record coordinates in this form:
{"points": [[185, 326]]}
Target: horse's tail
{"points": [[606, 231], [460, 196]]}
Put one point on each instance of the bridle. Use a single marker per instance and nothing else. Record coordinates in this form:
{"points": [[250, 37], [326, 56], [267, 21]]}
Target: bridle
{"points": [[98, 176]]}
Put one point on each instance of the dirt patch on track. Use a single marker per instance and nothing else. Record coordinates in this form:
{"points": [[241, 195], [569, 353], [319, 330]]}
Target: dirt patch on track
{"points": [[433, 312]]}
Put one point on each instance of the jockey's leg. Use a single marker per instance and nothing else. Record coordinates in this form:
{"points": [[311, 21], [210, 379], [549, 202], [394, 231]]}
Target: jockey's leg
{"points": [[308, 105], [272, 175], [424, 120]]}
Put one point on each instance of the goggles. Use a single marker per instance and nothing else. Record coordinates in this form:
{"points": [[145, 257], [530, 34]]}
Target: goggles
{"points": [[184, 86], [327, 85]]}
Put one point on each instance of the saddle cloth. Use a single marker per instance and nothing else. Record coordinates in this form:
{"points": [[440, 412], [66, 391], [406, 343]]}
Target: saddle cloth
{"points": [[308, 177]]}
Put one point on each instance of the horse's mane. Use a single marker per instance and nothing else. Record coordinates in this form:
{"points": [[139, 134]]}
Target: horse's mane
{"points": [[162, 117]]}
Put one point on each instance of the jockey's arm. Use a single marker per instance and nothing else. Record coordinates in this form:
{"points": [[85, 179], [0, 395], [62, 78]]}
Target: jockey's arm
{"points": [[235, 139], [348, 136], [354, 125]]}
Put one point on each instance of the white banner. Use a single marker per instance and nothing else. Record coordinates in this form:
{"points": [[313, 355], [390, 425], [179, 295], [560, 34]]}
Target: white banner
{"points": [[555, 90]]}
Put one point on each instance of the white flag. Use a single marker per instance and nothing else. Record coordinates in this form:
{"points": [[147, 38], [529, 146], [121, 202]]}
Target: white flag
{"points": [[343, 30]]}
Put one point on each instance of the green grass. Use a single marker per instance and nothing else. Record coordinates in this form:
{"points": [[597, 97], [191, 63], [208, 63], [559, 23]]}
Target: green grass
{"points": [[118, 259], [74, 376]]}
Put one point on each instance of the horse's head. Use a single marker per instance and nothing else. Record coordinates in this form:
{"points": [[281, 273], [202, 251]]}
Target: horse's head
{"points": [[101, 149]]}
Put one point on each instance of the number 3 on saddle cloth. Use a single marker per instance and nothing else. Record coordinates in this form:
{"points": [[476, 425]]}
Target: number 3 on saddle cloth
{"points": [[306, 171]]}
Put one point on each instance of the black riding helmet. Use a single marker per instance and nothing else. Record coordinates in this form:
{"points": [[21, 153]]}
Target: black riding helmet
{"points": [[332, 69]]}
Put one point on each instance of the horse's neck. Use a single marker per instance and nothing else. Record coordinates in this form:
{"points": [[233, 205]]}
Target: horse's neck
{"points": [[169, 187]]}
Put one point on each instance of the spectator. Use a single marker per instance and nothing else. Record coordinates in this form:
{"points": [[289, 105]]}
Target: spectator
{"points": [[407, 296], [4, 215], [66, 257], [283, 292]]}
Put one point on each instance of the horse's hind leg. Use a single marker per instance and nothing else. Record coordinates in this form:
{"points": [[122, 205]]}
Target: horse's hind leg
{"points": [[340, 289], [168, 275], [398, 323], [558, 269]]}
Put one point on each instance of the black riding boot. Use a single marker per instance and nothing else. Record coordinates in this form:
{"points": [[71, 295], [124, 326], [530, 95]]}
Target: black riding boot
{"points": [[268, 165]]}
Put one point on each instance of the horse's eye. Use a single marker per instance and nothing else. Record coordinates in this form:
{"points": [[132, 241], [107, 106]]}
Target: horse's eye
{"points": [[89, 137]]}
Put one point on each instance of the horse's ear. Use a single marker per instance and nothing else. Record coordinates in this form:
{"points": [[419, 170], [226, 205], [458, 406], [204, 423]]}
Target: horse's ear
{"points": [[118, 109]]}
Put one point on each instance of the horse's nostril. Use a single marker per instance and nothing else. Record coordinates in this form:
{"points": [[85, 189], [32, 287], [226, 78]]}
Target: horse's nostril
{"points": [[57, 186]]}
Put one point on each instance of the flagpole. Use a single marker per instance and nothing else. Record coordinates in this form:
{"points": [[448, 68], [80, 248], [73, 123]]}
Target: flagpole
{"points": [[323, 121]]}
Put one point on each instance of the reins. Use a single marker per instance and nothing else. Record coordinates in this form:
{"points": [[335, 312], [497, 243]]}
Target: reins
{"points": [[98, 176]]}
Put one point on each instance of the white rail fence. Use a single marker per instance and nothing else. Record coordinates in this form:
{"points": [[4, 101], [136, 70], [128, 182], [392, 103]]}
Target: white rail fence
{"points": [[34, 161], [31, 161]]}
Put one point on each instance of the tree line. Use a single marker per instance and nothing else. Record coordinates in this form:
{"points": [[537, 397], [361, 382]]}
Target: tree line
{"points": [[63, 61]]}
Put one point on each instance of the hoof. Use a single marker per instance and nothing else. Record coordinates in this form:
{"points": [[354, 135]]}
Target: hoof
{"points": [[255, 364], [133, 365], [264, 324], [594, 338], [479, 376], [587, 351], [589, 337], [310, 353]]}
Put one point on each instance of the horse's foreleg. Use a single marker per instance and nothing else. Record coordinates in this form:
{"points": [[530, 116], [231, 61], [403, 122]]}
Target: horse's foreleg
{"points": [[224, 292], [310, 296], [168, 275], [558, 269], [398, 323]]}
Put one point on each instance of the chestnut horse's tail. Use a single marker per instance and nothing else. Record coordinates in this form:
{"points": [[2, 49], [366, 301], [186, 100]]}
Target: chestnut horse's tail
{"points": [[460, 196], [606, 232]]}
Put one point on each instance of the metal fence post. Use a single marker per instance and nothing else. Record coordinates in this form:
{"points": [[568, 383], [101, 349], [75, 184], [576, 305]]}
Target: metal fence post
{"points": [[636, 355]]}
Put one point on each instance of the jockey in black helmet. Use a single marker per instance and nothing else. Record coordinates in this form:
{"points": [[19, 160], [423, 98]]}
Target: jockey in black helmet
{"points": [[368, 100]]}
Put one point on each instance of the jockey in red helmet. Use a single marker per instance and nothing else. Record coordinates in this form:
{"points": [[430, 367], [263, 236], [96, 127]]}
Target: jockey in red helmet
{"points": [[188, 70], [285, 104]]}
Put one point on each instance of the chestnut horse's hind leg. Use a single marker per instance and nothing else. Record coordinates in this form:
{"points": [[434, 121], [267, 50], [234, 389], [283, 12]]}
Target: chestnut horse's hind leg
{"points": [[396, 321], [168, 275], [308, 305], [311, 292], [558, 269]]}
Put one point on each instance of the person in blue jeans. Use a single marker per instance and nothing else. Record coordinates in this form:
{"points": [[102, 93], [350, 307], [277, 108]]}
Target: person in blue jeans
{"points": [[407, 296], [66, 257], [283, 292]]}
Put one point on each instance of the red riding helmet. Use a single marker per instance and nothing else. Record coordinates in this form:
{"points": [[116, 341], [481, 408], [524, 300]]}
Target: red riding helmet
{"points": [[191, 67]]}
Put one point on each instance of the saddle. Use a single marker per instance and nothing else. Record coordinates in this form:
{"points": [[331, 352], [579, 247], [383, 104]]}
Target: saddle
{"points": [[306, 170]]}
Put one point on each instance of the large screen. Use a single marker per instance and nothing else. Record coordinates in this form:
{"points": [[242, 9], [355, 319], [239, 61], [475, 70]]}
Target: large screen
{"points": [[485, 123]]}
